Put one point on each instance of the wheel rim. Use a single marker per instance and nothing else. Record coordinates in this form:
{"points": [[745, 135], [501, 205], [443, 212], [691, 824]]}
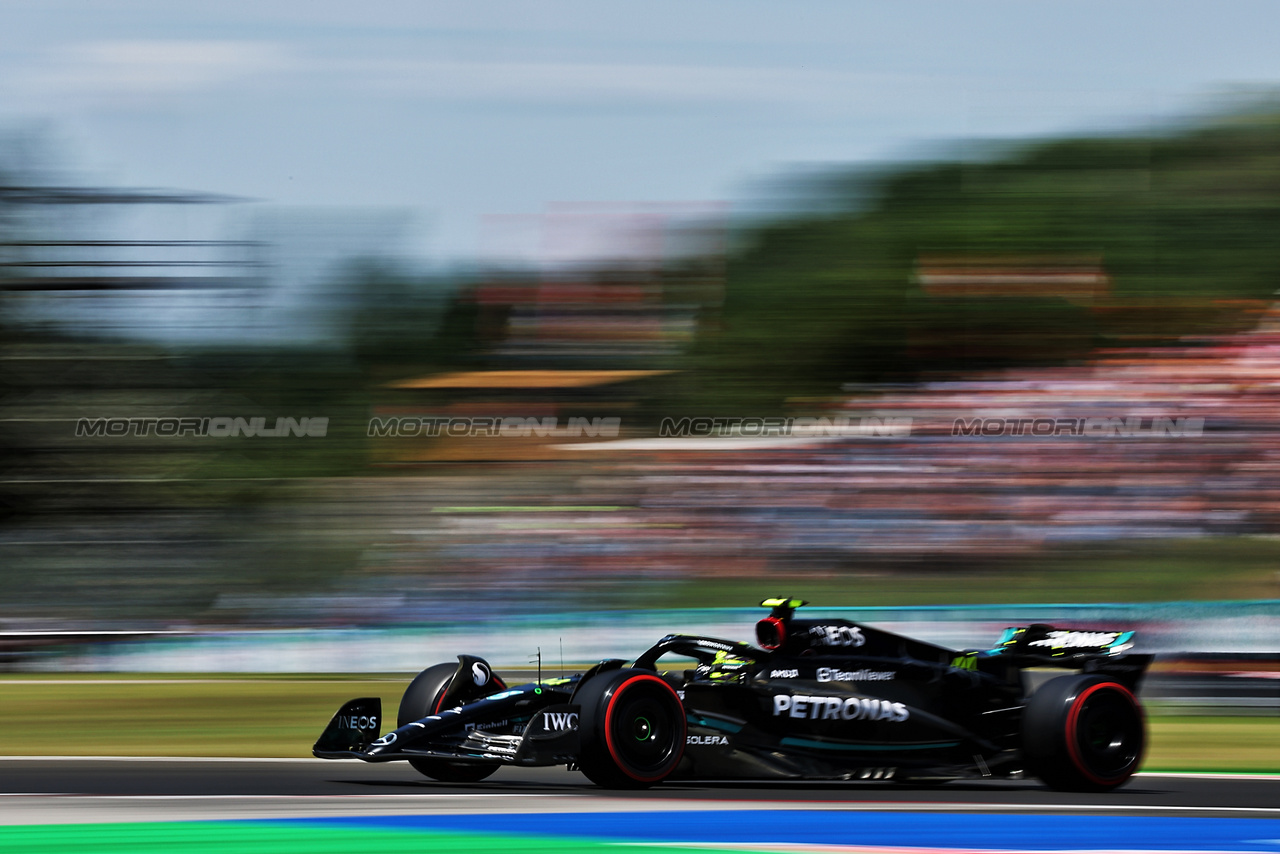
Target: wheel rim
{"points": [[645, 728], [1106, 733]]}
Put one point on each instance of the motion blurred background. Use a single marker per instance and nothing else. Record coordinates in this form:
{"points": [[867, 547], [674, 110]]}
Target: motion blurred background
{"points": [[548, 281]]}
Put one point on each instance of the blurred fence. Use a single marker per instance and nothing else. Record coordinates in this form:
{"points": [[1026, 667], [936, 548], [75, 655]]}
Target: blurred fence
{"points": [[1212, 657], [1166, 628]]}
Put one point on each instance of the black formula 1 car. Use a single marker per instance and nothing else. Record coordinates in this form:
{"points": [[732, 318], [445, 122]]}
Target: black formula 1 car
{"points": [[815, 700]]}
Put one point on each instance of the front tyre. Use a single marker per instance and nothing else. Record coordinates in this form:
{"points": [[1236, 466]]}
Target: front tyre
{"points": [[1083, 734], [422, 698], [632, 727]]}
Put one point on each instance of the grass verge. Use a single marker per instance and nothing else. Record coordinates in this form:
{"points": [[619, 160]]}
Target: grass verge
{"points": [[266, 716]]}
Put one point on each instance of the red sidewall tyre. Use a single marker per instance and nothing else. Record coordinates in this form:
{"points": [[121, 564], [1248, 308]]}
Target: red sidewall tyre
{"points": [[632, 729], [1083, 733], [423, 698], [1073, 736], [424, 693]]}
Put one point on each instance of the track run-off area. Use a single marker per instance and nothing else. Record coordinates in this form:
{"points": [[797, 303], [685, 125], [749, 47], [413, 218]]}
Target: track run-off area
{"points": [[54, 804]]}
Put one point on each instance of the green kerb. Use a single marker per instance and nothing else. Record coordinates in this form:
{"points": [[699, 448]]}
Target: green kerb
{"points": [[266, 837]]}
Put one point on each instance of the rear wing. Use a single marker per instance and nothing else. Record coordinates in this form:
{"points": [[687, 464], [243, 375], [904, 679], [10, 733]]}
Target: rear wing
{"points": [[1045, 641], [1089, 650]]}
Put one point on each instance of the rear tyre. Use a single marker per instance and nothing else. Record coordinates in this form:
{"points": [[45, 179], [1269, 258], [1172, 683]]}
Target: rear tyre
{"points": [[422, 698], [632, 727], [1083, 734]]}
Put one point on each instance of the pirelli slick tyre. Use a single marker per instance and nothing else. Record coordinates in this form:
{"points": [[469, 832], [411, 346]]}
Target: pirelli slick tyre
{"points": [[1083, 734], [422, 698], [632, 729]]}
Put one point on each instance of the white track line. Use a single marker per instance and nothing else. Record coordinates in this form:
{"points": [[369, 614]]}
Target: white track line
{"points": [[250, 797], [180, 681], [663, 805], [1209, 775], [283, 759], [1189, 775]]}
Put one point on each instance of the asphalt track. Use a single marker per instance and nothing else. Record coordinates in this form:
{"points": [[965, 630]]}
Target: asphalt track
{"points": [[69, 789]]}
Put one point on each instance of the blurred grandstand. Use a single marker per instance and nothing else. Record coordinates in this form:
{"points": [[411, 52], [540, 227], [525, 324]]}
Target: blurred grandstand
{"points": [[1037, 288]]}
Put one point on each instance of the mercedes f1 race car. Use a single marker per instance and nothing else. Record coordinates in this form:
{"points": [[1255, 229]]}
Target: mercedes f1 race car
{"points": [[815, 699]]}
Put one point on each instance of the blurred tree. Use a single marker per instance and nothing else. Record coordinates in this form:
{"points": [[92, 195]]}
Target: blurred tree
{"points": [[1184, 226], [396, 321]]}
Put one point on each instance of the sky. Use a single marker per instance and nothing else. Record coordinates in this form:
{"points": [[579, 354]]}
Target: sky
{"points": [[462, 115]]}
